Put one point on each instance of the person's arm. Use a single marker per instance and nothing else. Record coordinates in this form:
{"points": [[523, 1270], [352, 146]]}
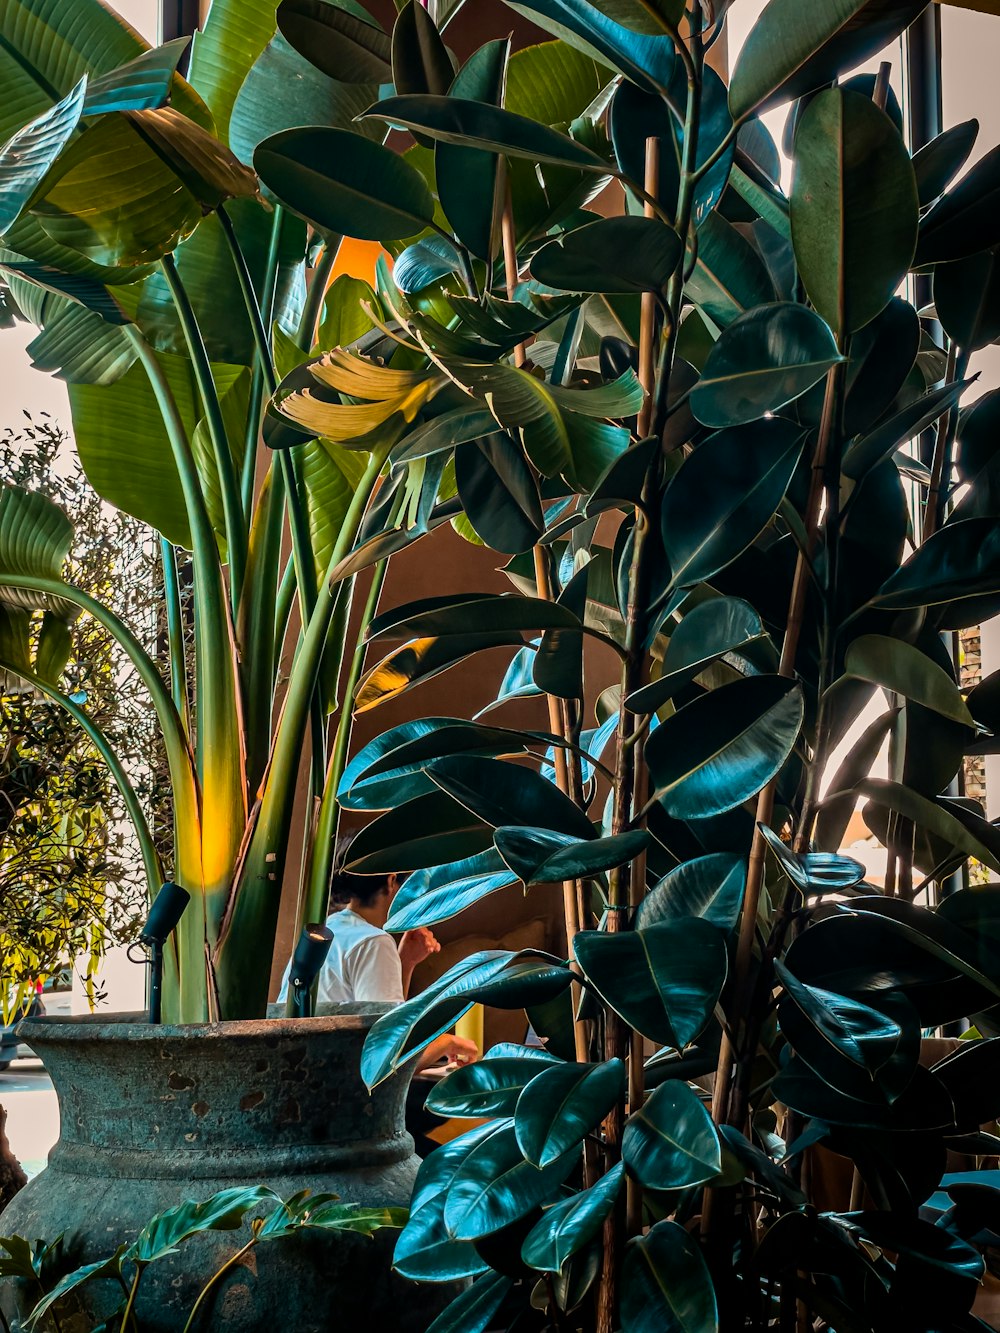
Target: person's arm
{"points": [[414, 947], [448, 1047], [375, 970]]}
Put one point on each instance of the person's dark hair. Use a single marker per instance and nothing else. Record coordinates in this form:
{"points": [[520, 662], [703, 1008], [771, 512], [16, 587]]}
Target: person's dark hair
{"points": [[345, 885]]}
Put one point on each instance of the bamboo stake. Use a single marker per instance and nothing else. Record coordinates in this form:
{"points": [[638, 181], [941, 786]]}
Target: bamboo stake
{"points": [[558, 719], [647, 323], [765, 801]]}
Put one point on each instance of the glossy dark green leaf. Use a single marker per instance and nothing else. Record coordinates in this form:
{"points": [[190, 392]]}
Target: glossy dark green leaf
{"points": [[711, 630], [923, 1106], [426, 1252], [814, 872], [473, 1310], [567, 1227], [745, 471], [720, 750], [969, 1075], [499, 493], [438, 893], [795, 48], [472, 124], [540, 856], [345, 184], [967, 299], [470, 613], [467, 178], [853, 245], [901, 668], [670, 1143], [142, 84], [528, 976], [709, 886], [420, 59], [648, 16], [929, 815], [562, 1104], [488, 1087], [459, 426], [647, 61], [938, 163], [664, 981], [906, 424], [26, 158], [666, 1287], [612, 255], [966, 219], [636, 115], [961, 560], [417, 662], [730, 277], [336, 40], [763, 360], [427, 831], [496, 1185], [500, 794], [389, 769], [859, 1033]]}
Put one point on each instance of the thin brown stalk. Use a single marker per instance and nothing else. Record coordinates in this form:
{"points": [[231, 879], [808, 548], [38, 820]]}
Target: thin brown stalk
{"points": [[509, 237], [943, 443], [647, 322], [765, 801], [880, 93]]}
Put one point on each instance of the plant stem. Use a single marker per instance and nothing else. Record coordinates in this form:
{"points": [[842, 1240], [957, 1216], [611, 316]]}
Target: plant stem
{"points": [[214, 1280], [219, 748], [313, 906], [765, 801], [944, 443], [232, 502], [297, 519], [647, 326], [127, 1314], [316, 294], [252, 911], [175, 633], [257, 388]]}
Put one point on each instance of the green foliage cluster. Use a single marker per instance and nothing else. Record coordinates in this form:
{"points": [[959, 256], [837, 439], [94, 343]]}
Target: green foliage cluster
{"points": [[712, 439], [42, 1269], [69, 882]]}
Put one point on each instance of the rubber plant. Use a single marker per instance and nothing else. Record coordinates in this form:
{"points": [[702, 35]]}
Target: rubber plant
{"points": [[719, 451]]}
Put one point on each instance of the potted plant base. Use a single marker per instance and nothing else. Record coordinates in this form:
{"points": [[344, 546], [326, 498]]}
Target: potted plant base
{"points": [[154, 1115]]}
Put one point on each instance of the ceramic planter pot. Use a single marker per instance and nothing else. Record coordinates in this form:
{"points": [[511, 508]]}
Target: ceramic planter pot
{"points": [[153, 1115]]}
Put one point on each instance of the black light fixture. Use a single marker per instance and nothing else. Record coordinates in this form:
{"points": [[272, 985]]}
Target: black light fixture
{"points": [[168, 908], [309, 957]]}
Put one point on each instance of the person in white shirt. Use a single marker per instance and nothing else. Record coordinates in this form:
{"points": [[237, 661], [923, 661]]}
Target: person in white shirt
{"points": [[365, 963]]}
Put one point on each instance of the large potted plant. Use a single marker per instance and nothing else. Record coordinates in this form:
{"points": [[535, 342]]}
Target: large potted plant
{"points": [[686, 425], [735, 526]]}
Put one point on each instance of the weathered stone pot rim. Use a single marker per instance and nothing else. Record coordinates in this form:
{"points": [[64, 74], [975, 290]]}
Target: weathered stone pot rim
{"points": [[133, 1026]]}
